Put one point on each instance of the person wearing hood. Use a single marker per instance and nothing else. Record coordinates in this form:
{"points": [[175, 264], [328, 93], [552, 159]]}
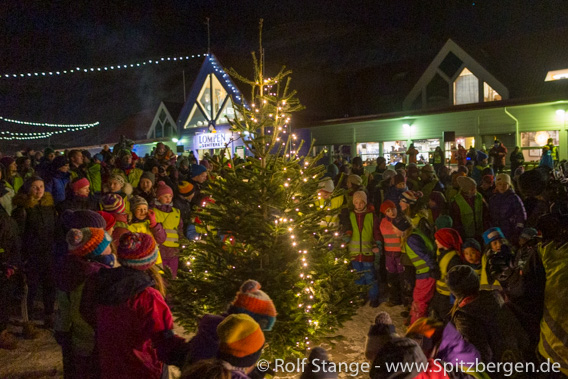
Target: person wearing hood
{"points": [[484, 320], [198, 177], [171, 221], [507, 209], [127, 169], [79, 197], [448, 242], [89, 251], [249, 300], [365, 244], [36, 217], [134, 325], [397, 189], [58, 178]]}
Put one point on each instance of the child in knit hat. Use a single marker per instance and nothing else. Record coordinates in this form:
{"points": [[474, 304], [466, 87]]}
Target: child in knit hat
{"points": [[250, 300], [171, 221], [89, 251], [143, 220], [240, 344], [365, 244], [495, 243], [182, 201], [471, 254], [80, 197], [381, 332], [448, 242], [134, 324], [113, 203]]}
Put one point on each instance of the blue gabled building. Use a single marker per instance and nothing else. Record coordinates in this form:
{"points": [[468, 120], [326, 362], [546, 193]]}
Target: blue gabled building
{"points": [[203, 123]]}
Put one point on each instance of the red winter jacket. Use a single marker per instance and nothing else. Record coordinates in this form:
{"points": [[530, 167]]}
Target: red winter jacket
{"points": [[134, 326]]}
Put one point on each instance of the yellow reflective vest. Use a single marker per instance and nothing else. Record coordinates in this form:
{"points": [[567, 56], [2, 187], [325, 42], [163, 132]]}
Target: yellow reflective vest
{"points": [[330, 205], [170, 222], [484, 279], [553, 342], [361, 243], [441, 286]]}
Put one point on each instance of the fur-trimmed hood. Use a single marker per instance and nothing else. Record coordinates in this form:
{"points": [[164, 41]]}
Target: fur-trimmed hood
{"points": [[23, 200]]}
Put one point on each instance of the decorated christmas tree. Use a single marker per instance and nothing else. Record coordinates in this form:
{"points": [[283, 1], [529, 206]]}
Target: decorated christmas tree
{"points": [[266, 222]]}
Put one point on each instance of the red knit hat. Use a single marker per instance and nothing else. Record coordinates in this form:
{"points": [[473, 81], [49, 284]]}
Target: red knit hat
{"points": [[80, 183], [387, 204], [137, 250], [110, 220], [449, 238]]}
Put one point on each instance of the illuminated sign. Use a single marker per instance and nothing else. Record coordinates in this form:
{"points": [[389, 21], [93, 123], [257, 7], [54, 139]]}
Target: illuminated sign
{"points": [[211, 140]]}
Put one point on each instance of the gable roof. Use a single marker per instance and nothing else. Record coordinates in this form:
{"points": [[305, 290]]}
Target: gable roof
{"points": [[171, 111], [467, 62], [210, 66]]}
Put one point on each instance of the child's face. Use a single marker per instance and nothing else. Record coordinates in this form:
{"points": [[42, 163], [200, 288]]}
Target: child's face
{"points": [[471, 255], [83, 191], [391, 212], [114, 185], [401, 185], [165, 199], [496, 245], [359, 204]]}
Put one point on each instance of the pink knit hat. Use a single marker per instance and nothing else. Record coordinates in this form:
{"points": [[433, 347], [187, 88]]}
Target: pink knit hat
{"points": [[163, 189]]}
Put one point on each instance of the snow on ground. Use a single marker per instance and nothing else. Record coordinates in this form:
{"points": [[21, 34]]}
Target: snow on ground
{"points": [[41, 358]]}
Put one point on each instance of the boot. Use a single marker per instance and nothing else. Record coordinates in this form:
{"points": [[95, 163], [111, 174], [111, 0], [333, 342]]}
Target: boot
{"points": [[29, 331], [8, 341]]}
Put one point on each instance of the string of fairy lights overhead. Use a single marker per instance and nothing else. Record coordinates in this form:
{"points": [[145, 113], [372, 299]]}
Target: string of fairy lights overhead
{"points": [[96, 69], [10, 136]]}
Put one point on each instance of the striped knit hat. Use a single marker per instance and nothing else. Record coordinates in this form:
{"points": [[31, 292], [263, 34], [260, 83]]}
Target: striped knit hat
{"points": [[240, 340], [113, 203], [137, 250], [186, 188], [256, 303], [87, 242]]}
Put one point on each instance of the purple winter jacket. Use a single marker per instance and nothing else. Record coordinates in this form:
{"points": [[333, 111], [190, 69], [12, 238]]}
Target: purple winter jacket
{"points": [[205, 343], [508, 213]]}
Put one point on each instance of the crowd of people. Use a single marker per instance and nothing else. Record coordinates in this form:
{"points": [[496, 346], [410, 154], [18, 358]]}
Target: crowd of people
{"points": [[474, 249], [479, 267]]}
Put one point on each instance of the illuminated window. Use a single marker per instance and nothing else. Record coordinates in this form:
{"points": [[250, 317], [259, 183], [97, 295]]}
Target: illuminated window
{"points": [[394, 151], [489, 94], [466, 88], [368, 150], [556, 75], [532, 143], [213, 105]]}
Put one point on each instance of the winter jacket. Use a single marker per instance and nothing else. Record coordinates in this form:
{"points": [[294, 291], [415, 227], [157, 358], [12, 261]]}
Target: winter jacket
{"points": [[172, 224], [420, 251], [94, 175], [132, 175], [498, 154], [134, 326], [36, 223], [454, 348], [6, 196], [56, 184], [508, 213], [184, 207], [68, 319], [10, 243], [205, 343], [484, 321]]}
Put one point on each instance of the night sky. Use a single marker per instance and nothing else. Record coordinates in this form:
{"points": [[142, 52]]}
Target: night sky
{"points": [[37, 36]]}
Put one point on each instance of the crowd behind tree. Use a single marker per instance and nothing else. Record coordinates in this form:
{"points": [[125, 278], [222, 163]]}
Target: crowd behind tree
{"points": [[475, 256]]}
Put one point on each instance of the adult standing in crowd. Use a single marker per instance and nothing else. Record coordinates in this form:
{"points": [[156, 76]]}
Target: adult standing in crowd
{"points": [[498, 153]]}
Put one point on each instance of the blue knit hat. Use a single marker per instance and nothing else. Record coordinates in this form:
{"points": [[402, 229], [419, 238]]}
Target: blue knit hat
{"points": [[492, 234], [471, 242], [197, 169], [99, 157]]}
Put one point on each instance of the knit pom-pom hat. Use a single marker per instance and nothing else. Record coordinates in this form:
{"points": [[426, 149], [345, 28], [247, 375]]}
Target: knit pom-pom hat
{"points": [[136, 201], [386, 205], [113, 203], [137, 250], [240, 340], [163, 189], [186, 188], [87, 242], [256, 303]]}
